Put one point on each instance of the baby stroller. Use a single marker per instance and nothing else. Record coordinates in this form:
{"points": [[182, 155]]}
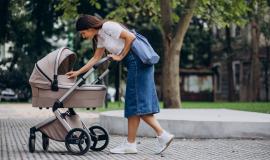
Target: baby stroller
{"points": [[51, 88]]}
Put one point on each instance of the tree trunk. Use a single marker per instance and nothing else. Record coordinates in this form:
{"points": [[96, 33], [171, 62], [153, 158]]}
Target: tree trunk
{"points": [[5, 16], [170, 80], [266, 72], [229, 65], [173, 45], [254, 78]]}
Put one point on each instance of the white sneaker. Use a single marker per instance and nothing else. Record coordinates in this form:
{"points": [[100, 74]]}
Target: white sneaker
{"points": [[164, 140], [125, 148]]}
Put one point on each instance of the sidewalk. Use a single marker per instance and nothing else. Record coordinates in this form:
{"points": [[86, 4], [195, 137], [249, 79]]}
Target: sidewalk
{"points": [[197, 123], [16, 119]]}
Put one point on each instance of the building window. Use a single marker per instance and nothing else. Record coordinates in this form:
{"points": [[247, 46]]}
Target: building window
{"points": [[236, 66], [218, 78], [197, 84]]}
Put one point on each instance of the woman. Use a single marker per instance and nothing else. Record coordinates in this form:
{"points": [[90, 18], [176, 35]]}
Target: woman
{"points": [[141, 100]]}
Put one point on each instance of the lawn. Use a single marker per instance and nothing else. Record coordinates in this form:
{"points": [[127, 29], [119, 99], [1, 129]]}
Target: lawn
{"points": [[263, 107]]}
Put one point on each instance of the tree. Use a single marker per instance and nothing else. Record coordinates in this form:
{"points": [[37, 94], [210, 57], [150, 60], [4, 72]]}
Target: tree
{"points": [[266, 32], [28, 25], [196, 51], [261, 21], [173, 17], [259, 11], [173, 44], [4, 20], [218, 12]]}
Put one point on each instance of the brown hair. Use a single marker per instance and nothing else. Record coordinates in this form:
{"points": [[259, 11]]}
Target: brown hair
{"points": [[87, 21]]}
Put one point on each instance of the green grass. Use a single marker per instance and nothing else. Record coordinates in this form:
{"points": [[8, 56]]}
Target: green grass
{"points": [[112, 106], [262, 107]]}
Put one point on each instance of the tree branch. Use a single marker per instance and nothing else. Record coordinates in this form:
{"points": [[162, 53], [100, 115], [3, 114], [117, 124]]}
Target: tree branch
{"points": [[166, 20], [183, 23]]}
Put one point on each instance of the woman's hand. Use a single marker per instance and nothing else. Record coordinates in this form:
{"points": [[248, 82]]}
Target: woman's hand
{"points": [[115, 57], [72, 74]]}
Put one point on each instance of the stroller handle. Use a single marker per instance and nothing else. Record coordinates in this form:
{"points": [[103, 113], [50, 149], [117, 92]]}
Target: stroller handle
{"points": [[102, 61]]}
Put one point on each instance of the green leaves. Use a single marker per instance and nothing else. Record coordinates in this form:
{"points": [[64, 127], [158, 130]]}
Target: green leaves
{"points": [[265, 22], [132, 12], [95, 3], [222, 13], [69, 7]]}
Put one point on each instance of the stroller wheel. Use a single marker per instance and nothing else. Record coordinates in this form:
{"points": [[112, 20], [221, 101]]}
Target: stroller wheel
{"points": [[45, 142], [100, 138], [31, 143], [78, 141]]}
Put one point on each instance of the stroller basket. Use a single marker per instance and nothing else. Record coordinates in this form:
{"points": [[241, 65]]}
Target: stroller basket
{"points": [[85, 96]]}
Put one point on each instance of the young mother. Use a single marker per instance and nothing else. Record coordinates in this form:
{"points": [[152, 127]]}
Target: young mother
{"points": [[141, 101]]}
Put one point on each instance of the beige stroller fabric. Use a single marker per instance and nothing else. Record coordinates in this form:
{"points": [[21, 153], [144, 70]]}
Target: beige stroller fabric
{"points": [[60, 60], [55, 130], [58, 63]]}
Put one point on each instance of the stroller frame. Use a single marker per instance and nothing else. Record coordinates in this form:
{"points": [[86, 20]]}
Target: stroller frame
{"points": [[80, 136]]}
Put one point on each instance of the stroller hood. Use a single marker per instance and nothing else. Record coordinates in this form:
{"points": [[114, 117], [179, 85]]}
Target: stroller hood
{"points": [[52, 68]]}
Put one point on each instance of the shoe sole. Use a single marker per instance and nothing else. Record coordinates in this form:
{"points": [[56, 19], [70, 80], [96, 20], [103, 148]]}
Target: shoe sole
{"points": [[167, 145], [124, 153]]}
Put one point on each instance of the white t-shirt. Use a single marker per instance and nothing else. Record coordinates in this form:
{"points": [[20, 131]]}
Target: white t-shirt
{"points": [[109, 37]]}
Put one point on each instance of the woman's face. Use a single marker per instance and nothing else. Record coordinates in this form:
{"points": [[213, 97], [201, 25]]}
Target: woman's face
{"points": [[88, 33]]}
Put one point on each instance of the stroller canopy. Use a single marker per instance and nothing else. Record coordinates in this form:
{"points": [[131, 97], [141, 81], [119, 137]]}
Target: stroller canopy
{"points": [[50, 70]]}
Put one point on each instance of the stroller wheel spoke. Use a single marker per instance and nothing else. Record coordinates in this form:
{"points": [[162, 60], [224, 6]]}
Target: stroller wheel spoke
{"points": [[73, 141], [81, 136], [79, 145], [102, 137], [99, 137], [94, 144]]}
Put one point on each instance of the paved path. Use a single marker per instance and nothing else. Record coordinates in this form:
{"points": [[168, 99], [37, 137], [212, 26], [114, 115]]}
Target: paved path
{"points": [[14, 132]]}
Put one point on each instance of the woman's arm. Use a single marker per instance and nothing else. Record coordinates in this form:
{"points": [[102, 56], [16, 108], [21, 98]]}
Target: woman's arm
{"points": [[97, 56], [128, 38]]}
